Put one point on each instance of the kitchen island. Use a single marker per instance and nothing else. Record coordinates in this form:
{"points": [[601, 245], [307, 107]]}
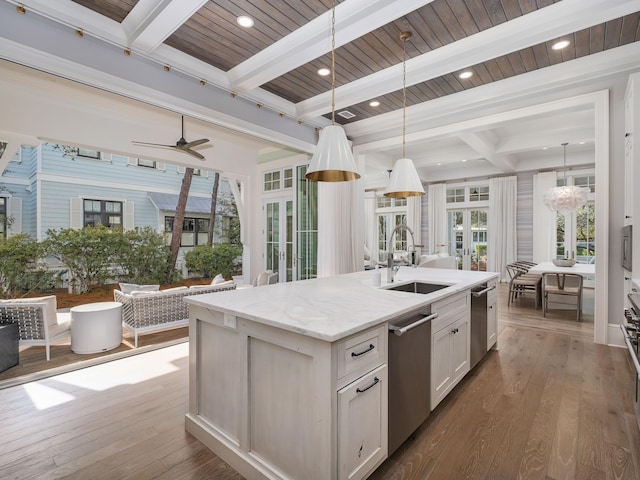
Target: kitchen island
{"points": [[291, 380]]}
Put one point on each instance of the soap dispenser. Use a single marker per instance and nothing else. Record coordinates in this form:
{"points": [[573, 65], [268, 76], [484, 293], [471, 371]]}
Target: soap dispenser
{"points": [[377, 277]]}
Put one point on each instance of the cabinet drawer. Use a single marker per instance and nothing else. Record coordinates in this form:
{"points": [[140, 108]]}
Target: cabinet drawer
{"points": [[361, 353], [448, 308]]}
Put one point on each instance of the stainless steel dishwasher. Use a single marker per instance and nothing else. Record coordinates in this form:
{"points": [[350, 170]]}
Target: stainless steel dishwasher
{"points": [[478, 329], [409, 374]]}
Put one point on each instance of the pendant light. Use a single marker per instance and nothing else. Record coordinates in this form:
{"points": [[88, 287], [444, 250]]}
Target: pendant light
{"points": [[566, 198], [332, 160], [404, 180]]}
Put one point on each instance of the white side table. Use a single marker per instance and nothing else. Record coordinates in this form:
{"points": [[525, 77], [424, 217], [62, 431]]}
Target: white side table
{"points": [[96, 327]]}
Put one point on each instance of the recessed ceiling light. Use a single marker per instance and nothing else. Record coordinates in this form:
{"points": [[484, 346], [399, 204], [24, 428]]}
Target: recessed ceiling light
{"points": [[438, 164], [544, 148], [244, 21], [582, 143], [466, 74], [374, 103], [464, 160], [560, 45], [324, 71]]}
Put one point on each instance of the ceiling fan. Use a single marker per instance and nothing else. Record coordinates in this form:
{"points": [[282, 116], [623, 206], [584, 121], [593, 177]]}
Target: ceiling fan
{"points": [[181, 144]]}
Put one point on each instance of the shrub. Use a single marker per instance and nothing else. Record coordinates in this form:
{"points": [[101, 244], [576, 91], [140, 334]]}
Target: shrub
{"points": [[87, 253], [210, 261], [22, 268], [143, 256]]}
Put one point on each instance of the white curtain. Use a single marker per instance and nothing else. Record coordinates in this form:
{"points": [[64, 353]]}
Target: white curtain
{"points": [[437, 216], [414, 217], [370, 225], [544, 220], [502, 241], [337, 225]]}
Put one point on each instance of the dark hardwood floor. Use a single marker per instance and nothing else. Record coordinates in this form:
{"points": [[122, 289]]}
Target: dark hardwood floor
{"points": [[549, 404]]}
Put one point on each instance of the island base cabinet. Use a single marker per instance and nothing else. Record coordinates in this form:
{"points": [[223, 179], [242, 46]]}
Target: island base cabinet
{"points": [[449, 357], [362, 425]]}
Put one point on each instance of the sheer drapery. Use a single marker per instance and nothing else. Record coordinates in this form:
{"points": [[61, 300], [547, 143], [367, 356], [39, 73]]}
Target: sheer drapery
{"points": [[337, 225], [437, 216], [370, 224], [414, 217], [502, 241], [544, 220]]}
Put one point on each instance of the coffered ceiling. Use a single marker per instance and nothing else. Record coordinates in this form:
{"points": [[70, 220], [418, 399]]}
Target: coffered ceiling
{"points": [[506, 44]]}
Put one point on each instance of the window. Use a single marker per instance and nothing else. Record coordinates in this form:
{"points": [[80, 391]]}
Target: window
{"points": [[3, 217], [84, 153], [575, 232], [478, 194], [195, 231], [455, 195], [141, 162], [474, 193], [391, 212], [102, 212], [277, 180]]}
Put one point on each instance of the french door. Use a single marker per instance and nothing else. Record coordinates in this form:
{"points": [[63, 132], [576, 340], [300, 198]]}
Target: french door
{"points": [[279, 231], [468, 238]]}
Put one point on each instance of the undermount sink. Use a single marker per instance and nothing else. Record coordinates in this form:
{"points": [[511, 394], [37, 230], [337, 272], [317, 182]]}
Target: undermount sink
{"points": [[418, 287]]}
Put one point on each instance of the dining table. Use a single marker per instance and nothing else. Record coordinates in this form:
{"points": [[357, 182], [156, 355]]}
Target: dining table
{"points": [[584, 269]]}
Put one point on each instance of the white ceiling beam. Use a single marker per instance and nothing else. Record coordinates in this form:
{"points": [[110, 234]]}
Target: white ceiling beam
{"points": [[493, 96], [487, 149], [354, 18], [540, 26], [159, 22], [76, 16]]}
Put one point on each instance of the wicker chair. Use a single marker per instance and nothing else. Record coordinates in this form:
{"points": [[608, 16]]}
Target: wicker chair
{"points": [[564, 285], [147, 312], [521, 282], [37, 320]]}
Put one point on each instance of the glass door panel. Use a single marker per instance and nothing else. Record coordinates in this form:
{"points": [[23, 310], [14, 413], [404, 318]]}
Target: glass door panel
{"points": [[272, 236], [468, 238]]}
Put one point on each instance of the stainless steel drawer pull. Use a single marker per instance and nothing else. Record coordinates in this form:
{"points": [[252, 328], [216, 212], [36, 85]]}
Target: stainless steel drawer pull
{"points": [[400, 330], [371, 347], [374, 383], [482, 292]]}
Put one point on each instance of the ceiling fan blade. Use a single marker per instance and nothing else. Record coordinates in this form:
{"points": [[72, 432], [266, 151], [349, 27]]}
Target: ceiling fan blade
{"points": [[193, 152], [152, 144], [195, 143]]}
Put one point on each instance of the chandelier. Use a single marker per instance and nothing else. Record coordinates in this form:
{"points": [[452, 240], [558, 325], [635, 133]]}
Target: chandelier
{"points": [[566, 198]]}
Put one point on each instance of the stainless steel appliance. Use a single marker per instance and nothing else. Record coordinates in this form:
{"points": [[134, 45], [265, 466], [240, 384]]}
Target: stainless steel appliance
{"points": [[409, 374], [631, 332], [478, 330]]}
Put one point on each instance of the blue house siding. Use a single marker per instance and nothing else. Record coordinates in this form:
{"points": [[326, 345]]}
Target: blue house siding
{"points": [[47, 179]]}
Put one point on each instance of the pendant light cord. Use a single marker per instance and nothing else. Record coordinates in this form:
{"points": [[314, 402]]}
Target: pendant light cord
{"points": [[404, 36], [564, 163], [404, 95], [333, 64]]}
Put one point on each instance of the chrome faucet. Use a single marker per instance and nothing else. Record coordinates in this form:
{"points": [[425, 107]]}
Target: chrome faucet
{"points": [[391, 268]]}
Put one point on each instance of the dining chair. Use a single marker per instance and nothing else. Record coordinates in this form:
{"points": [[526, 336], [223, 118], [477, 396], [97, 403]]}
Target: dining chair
{"points": [[562, 284], [521, 282]]}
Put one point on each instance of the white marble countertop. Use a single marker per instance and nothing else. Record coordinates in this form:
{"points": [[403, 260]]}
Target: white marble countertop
{"points": [[332, 308]]}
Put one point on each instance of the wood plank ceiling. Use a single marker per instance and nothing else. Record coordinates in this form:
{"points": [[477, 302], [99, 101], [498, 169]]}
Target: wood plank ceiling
{"points": [[213, 36]]}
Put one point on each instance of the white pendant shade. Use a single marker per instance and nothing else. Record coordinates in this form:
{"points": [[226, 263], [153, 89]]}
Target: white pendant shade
{"points": [[404, 180], [565, 199], [332, 160]]}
